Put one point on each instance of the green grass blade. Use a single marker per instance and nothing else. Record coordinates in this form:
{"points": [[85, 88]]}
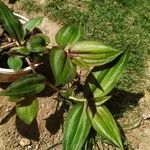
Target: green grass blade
{"points": [[76, 128]]}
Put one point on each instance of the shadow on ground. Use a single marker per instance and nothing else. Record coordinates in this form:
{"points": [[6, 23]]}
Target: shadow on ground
{"points": [[118, 104], [121, 100], [55, 120], [28, 131]]}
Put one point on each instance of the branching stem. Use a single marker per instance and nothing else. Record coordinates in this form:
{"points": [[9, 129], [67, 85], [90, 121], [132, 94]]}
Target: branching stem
{"points": [[30, 64]]}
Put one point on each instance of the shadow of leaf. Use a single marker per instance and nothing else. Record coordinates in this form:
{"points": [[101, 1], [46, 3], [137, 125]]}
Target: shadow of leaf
{"points": [[55, 120], [7, 116], [28, 131], [121, 100], [12, 1]]}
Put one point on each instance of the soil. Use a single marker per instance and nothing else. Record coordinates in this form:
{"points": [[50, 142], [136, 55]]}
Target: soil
{"points": [[46, 132], [40, 135]]}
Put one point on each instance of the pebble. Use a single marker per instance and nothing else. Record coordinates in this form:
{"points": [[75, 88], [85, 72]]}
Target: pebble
{"points": [[36, 147], [29, 147], [15, 144], [24, 142]]}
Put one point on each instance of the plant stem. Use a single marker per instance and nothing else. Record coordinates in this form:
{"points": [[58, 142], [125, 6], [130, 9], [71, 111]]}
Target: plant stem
{"points": [[30, 64], [52, 86], [9, 45], [77, 99], [57, 90]]}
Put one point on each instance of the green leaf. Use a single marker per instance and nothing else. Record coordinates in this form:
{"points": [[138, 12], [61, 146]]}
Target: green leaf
{"points": [[104, 123], [15, 99], [76, 128], [80, 62], [27, 113], [14, 63], [93, 53], [31, 24], [63, 69], [21, 50], [68, 35], [103, 79], [37, 43], [101, 100], [28, 85], [11, 23]]}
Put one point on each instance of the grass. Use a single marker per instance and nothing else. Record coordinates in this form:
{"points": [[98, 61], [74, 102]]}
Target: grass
{"points": [[123, 24], [30, 6]]}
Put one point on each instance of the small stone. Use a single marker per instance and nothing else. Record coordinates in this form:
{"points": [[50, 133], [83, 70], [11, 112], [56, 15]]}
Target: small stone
{"points": [[16, 144], [24, 142], [29, 147], [146, 114], [36, 147]]}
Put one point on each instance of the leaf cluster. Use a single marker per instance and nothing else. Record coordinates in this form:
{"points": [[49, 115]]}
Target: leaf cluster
{"points": [[22, 41], [103, 63]]}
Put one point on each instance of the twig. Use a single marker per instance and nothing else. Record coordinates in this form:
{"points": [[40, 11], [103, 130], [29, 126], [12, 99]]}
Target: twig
{"points": [[54, 145], [9, 45], [30, 64]]}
